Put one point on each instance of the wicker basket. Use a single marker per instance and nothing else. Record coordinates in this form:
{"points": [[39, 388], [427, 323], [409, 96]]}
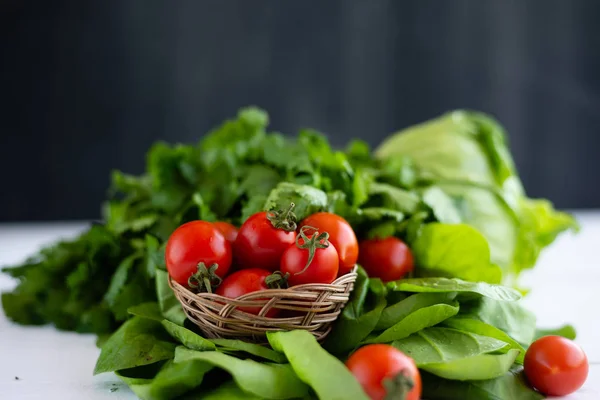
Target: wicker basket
{"points": [[312, 307]]}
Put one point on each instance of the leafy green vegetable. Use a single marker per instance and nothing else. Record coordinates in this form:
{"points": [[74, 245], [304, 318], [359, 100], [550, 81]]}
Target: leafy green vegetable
{"points": [[360, 315], [228, 391], [139, 341], [512, 385], [329, 378], [169, 305], [172, 381], [459, 355], [481, 328], [463, 288], [510, 317], [401, 309], [465, 155], [235, 346], [447, 187], [387, 196], [442, 206], [178, 333], [65, 283], [481, 367], [307, 199], [417, 320], [435, 345], [270, 381], [566, 331], [543, 225], [455, 251]]}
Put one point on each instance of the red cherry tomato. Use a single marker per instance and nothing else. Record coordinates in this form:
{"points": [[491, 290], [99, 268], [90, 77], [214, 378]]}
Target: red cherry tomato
{"points": [[341, 236], [323, 268], [228, 230], [389, 259], [259, 244], [193, 243], [555, 366], [371, 365], [246, 281]]}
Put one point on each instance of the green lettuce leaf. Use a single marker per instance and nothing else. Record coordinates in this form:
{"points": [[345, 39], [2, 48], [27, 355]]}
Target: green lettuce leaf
{"points": [[454, 251], [465, 155], [459, 355], [512, 385]]}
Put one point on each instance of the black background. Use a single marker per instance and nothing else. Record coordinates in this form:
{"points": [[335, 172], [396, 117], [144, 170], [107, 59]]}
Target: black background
{"points": [[87, 86]]}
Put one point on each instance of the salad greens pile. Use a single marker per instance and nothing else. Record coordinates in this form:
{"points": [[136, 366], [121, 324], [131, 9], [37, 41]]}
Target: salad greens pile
{"points": [[447, 187]]}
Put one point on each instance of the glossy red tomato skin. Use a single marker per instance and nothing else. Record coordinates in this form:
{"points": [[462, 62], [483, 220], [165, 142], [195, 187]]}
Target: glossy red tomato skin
{"points": [[555, 366], [389, 259], [228, 230], [195, 242], [341, 236], [243, 282], [373, 363], [259, 244], [323, 268]]}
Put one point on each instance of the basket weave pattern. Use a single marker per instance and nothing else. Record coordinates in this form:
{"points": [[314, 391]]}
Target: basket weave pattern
{"points": [[312, 307]]}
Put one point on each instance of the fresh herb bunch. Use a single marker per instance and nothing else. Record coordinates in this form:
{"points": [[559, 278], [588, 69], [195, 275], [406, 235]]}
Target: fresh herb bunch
{"points": [[447, 187]]}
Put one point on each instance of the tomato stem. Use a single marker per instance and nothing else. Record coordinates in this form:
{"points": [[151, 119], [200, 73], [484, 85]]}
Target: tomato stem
{"points": [[398, 387], [285, 220], [315, 241], [277, 280], [205, 279]]}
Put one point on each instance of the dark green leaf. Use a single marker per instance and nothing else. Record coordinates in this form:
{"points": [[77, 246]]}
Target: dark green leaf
{"points": [[139, 341], [271, 381], [259, 180], [454, 354], [235, 346], [179, 334], [465, 289], [359, 317], [510, 317], [155, 255], [419, 319], [308, 200], [227, 391], [481, 328], [169, 305], [327, 375], [186, 337], [387, 196], [172, 381], [399, 310], [511, 385], [360, 187], [252, 206]]}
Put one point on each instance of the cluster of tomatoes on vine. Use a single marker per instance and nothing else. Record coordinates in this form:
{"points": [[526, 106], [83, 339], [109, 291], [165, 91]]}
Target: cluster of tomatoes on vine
{"points": [[270, 250]]}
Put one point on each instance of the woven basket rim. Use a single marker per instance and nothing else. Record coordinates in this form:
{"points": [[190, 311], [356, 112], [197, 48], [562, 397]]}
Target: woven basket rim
{"points": [[339, 283], [317, 305]]}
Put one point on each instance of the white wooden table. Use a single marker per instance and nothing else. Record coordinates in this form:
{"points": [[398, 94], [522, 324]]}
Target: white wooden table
{"points": [[58, 365]]}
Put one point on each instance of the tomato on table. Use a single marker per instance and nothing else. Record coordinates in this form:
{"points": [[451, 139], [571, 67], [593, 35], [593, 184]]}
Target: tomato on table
{"points": [[341, 236], [389, 259], [556, 366], [311, 260], [383, 370], [262, 239], [228, 230], [195, 243], [243, 282]]}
